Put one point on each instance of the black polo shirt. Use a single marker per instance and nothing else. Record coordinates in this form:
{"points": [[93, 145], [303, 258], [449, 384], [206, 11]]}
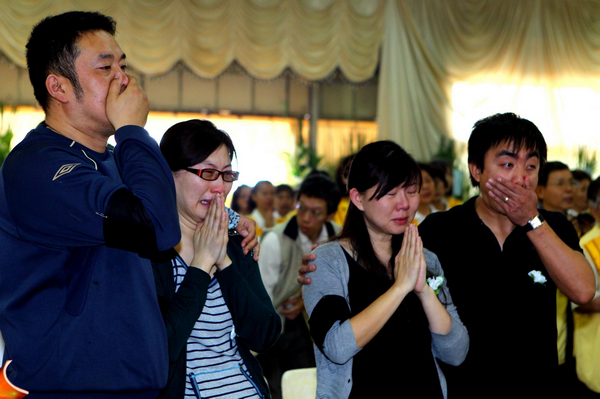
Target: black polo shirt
{"points": [[511, 320]]}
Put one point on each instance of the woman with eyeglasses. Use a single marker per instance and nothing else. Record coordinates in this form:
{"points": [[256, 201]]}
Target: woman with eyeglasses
{"points": [[378, 325], [211, 295]]}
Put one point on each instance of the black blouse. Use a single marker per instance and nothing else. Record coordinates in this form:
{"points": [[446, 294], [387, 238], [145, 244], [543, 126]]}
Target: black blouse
{"points": [[398, 361]]}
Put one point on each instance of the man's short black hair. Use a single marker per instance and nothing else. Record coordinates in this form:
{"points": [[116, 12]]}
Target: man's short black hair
{"points": [[548, 168], [593, 193], [52, 48], [321, 186], [504, 128], [284, 188], [580, 175]]}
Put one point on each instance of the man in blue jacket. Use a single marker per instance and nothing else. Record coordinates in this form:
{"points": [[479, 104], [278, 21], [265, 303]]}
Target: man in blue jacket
{"points": [[78, 308]]}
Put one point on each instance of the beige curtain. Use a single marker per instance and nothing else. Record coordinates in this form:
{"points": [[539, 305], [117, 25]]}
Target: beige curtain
{"points": [[429, 45], [312, 37]]}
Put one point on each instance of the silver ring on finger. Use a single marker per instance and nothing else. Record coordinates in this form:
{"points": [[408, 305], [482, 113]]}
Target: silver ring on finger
{"points": [[506, 199]]}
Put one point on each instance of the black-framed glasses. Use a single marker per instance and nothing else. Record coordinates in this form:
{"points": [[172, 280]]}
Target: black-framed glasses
{"points": [[213, 174], [562, 183], [314, 213]]}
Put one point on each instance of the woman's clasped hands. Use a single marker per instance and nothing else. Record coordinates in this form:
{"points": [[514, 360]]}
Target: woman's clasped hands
{"points": [[410, 267], [211, 238]]}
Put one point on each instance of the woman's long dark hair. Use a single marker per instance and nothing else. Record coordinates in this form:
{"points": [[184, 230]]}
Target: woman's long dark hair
{"points": [[386, 165]]}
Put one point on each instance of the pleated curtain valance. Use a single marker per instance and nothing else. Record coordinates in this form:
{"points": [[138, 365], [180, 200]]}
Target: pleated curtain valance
{"points": [[312, 38], [425, 46]]}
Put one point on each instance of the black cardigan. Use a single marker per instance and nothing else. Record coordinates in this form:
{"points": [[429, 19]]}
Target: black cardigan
{"points": [[256, 322]]}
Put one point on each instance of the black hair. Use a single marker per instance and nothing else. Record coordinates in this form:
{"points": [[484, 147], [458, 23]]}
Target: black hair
{"points": [[593, 193], [443, 164], [580, 175], [236, 197], [500, 129], [341, 173], [251, 203], [437, 172], [427, 168], [322, 187], [548, 168], [52, 48], [282, 188], [446, 167], [187, 143], [384, 165], [318, 172], [586, 221]]}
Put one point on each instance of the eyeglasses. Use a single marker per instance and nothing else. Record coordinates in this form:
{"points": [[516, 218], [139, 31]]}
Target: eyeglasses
{"points": [[315, 213], [563, 183], [213, 174]]}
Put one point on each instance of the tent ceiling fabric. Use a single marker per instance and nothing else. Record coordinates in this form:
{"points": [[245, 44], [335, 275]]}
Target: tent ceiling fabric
{"points": [[311, 37], [429, 45], [425, 48]]}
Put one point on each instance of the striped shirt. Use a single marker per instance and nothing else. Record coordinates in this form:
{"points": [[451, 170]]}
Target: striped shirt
{"points": [[215, 368]]}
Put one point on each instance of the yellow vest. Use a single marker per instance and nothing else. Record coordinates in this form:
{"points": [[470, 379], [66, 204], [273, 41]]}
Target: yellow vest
{"points": [[586, 337]]}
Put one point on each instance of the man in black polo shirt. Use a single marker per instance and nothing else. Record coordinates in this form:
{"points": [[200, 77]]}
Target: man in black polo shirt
{"points": [[504, 259]]}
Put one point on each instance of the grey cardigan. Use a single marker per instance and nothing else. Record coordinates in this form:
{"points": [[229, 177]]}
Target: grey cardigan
{"points": [[334, 372]]}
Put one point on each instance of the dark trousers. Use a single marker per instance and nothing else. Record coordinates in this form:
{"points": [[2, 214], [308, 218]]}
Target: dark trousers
{"points": [[293, 350]]}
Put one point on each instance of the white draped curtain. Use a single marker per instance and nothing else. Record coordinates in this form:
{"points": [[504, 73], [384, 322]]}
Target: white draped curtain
{"points": [[429, 45], [311, 37], [426, 47]]}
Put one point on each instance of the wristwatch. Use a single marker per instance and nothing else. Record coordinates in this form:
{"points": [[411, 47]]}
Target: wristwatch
{"points": [[534, 223]]}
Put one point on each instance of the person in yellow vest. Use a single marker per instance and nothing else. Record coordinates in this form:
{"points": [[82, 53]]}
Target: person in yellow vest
{"points": [[586, 317], [284, 203], [341, 178], [580, 210], [427, 193], [555, 193], [262, 206], [582, 180]]}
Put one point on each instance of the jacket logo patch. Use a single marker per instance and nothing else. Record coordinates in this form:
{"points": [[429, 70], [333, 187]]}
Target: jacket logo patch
{"points": [[63, 170]]}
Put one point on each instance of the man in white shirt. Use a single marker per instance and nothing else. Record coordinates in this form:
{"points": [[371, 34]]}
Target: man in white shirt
{"points": [[282, 248]]}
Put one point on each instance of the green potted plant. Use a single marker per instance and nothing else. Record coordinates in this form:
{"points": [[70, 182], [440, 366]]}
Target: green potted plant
{"points": [[303, 160], [586, 160]]}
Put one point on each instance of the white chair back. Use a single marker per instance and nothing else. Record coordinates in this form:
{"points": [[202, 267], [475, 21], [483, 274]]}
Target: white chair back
{"points": [[299, 384]]}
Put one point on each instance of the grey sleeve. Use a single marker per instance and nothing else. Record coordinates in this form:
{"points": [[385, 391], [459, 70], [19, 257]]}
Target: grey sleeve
{"points": [[331, 278], [450, 348]]}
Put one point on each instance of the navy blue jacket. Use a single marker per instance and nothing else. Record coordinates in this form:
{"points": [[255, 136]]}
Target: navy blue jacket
{"points": [[78, 307]]}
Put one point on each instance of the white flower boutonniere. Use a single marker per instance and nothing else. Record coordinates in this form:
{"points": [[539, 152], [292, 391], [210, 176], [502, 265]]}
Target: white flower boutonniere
{"points": [[435, 282], [537, 277]]}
